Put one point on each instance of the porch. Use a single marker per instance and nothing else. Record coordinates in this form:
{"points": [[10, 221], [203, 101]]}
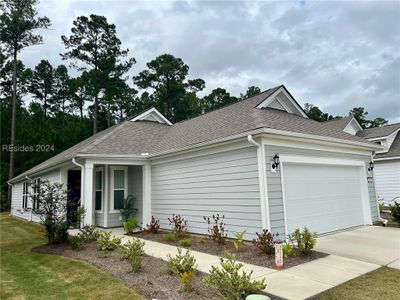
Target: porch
{"points": [[101, 186]]}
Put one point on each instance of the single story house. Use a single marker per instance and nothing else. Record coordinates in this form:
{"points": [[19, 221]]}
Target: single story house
{"points": [[261, 162], [387, 161]]}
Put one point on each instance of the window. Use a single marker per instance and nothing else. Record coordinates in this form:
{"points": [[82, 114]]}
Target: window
{"points": [[35, 194], [98, 186], [25, 195], [119, 187]]}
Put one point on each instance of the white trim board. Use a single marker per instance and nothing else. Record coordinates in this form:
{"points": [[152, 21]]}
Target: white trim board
{"points": [[320, 161]]}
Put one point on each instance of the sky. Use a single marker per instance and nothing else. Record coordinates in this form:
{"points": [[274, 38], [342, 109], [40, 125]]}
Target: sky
{"points": [[334, 54]]}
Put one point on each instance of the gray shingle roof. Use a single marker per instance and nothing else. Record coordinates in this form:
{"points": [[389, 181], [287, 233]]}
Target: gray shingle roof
{"points": [[134, 138], [379, 131], [394, 150], [340, 123]]}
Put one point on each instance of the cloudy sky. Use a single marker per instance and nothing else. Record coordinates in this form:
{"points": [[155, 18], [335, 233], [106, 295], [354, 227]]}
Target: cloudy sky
{"points": [[334, 54]]}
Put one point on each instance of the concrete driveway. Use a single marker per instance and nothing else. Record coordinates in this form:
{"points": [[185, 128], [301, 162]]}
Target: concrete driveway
{"points": [[373, 244]]}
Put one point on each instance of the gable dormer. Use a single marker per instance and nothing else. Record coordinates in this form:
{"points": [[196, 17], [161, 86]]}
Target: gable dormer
{"points": [[352, 127], [385, 141], [281, 99], [152, 115]]}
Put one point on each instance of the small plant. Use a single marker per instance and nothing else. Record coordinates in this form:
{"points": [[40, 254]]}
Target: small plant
{"points": [[154, 226], [130, 224], [107, 243], [181, 263], [179, 225], [265, 241], [170, 237], [231, 282], [186, 278], [134, 252], [77, 241], [381, 207], [395, 212], [287, 250], [304, 240], [129, 208], [90, 233], [216, 228], [185, 243], [239, 242]]}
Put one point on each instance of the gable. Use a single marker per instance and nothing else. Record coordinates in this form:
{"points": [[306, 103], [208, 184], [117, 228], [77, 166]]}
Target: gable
{"points": [[282, 100], [352, 127], [152, 115]]}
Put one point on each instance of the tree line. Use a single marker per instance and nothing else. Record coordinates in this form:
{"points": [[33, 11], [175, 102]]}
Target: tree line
{"points": [[45, 105]]}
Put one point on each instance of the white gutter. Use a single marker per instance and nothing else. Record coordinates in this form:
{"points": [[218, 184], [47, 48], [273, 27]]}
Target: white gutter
{"points": [[386, 158], [262, 181]]}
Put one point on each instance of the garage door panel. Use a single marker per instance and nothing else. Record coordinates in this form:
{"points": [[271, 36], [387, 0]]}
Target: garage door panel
{"points": [[323, 198]]}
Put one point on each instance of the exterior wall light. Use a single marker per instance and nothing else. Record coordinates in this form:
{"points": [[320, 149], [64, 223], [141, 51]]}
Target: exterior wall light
{"points": [[371, 166], [275, 163]]}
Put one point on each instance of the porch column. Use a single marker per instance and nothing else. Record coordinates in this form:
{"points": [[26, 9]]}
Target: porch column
{"points": [[146, 194], [88, 194], [106, 195]]}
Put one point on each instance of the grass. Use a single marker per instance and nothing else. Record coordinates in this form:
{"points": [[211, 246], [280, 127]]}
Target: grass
{"points": [[28, 275], [383, 283]]}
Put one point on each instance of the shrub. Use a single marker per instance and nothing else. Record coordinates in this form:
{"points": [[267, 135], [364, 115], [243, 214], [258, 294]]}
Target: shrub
{"points": [[134, 252], [181, 263], [178, 225], [216, 228], [77, 241], [381, 207], [185, 243], [265, 241], [170, 237], [239, 242], [130, 224], [395, 211], [90, 233], [107, 243], [287, 250], [232, 282], [186, 278], [303, 240], [154, 226], [129, 208]]}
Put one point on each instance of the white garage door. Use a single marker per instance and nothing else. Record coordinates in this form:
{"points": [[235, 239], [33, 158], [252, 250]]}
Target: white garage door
{"points": [[321, 197]]}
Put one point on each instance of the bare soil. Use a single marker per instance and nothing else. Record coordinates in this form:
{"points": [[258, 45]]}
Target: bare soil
{"points": [[249, 254], [153, 282]]}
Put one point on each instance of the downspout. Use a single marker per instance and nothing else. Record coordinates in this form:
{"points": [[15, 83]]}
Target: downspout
{"points": [[265, 218], [82, 178], [384, 221], [30, 179]]}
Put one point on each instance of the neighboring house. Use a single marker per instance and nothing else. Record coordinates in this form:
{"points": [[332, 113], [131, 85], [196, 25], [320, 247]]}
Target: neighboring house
{"points": [[387, 161], [261, 162]]}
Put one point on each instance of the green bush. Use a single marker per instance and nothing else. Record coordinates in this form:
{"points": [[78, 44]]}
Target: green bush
{"points": [[239, 242], [231, 282], [107, 243], [287, 250], [134, 252], [186, 279], [265, 241], [129, 208], [130, 224], [77, 241], [181, 263], [303, 240], [90, 233], [185, 243], [381, 207], [395, 211], [170, 237]]}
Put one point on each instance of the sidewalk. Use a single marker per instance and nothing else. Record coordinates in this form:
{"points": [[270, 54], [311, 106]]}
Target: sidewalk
{"points": [[299, 282]]}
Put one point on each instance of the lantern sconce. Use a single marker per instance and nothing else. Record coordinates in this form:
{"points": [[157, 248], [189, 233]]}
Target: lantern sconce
{"points": [[275, 163], [371, 166]]}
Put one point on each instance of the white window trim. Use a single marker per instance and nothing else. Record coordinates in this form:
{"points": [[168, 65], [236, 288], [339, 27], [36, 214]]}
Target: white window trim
{"points": [[25, 193], [99, 169], [35, 193], [112, 169]]}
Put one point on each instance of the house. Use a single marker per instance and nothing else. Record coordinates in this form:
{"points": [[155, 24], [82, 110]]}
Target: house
{"points": [[261, 162], [387, 161]]}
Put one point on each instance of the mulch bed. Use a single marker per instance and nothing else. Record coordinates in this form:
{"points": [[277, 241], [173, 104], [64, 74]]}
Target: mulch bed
{"points": [[250, 254], [153, 282]]}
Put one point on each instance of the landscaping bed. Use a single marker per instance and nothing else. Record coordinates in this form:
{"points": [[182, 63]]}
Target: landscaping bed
{"points": [[153, 281], [391, 221], [249, 254]]}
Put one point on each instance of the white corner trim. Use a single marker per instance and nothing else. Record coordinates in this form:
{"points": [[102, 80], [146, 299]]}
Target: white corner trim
{"points": [[365, 196], [320, 160], [155, 113], [274, 95]]}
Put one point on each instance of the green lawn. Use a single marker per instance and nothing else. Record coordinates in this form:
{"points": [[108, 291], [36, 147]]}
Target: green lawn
{"points": [[28, 275], [383, 283]]}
